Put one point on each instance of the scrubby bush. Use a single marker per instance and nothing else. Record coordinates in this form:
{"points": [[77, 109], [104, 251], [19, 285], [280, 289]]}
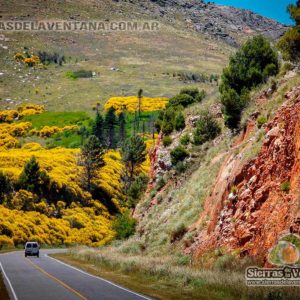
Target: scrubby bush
{"points": [[180, 167], [79, 74], [261, 121], [286, 186], [170, 119], [193, 92], [178, 154], [179, 121], [207, 129], [201, 95], [181, 99], [251, 65], [124, 226], [186, 97], [167, 141], [182, 260], [47, 58], [185, 140]]}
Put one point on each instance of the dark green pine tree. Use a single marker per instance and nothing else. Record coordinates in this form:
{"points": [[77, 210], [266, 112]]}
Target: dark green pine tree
{"points": [[32, 178], [122, 128], [98, 125], [5, 187], [133, 155], [138, 117], [110, 124], [91, 158]]}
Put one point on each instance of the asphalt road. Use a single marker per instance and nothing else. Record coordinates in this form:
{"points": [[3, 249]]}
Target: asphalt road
{"points": [[45, 278]]}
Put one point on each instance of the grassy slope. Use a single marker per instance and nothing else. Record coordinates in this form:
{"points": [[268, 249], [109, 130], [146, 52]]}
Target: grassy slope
{"points": [[145, 60]]}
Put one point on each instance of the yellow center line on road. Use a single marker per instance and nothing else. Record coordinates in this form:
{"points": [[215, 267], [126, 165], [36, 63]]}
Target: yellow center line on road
{"points": [[57, 280]]}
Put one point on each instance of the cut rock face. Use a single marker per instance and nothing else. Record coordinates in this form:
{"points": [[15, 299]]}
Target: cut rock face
{"points": [[267, 191]]}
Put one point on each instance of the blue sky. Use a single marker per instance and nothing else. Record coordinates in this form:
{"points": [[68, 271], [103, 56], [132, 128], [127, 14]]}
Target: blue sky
{"points": [[275, 9]]}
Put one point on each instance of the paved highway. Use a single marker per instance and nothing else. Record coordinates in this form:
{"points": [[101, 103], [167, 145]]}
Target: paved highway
{"points": [[46, 278]]}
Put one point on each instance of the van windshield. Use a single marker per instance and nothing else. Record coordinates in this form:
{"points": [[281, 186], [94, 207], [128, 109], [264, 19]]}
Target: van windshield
{"points": [[28, 246], [34, 246]]}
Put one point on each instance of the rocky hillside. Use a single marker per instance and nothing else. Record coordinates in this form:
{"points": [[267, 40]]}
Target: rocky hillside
{"points": [[264, 203], [239, 194], [228, 24]]}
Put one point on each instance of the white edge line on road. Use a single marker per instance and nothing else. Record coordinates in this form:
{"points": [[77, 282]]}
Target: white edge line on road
{"points": [[9, 283], [100, 278]]}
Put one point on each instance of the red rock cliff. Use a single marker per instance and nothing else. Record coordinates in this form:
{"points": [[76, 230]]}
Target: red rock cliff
{"points": [[252, 218]]}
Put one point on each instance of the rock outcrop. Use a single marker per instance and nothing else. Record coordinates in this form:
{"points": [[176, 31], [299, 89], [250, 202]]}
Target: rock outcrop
{"points": [[252, 204], [217, 21]]}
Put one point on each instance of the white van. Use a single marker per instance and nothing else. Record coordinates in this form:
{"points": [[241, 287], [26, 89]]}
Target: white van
{"points": [[32, 249]]}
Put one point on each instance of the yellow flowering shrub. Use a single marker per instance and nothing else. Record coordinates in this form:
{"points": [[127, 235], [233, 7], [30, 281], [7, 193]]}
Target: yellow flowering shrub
{"points": [[109, 177], [17, 227], [48, 131], [130, 103], [7, 141], [59, 163], [32, 146], [30, 109], [15, 129], [32, 61], [9, 132], [23, 199], [19, 56], [8, 115]]}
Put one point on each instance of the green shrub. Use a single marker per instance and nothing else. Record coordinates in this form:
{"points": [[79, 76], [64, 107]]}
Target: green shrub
{"points": [[178, 154], [286, 67], [261, 121], [124, 226], [200, 96], [234, 190], [170, 119], [179, 121], [286, 186], [136, 189], [167, 141], [207, 129], [181, 99], [79, 74], [185, 140], [193, 92], [182, 260], [180, 167]]}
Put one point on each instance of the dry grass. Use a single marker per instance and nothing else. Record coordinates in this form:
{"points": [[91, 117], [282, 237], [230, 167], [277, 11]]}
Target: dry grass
{"points": [[144, 60], [162, 277]]}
